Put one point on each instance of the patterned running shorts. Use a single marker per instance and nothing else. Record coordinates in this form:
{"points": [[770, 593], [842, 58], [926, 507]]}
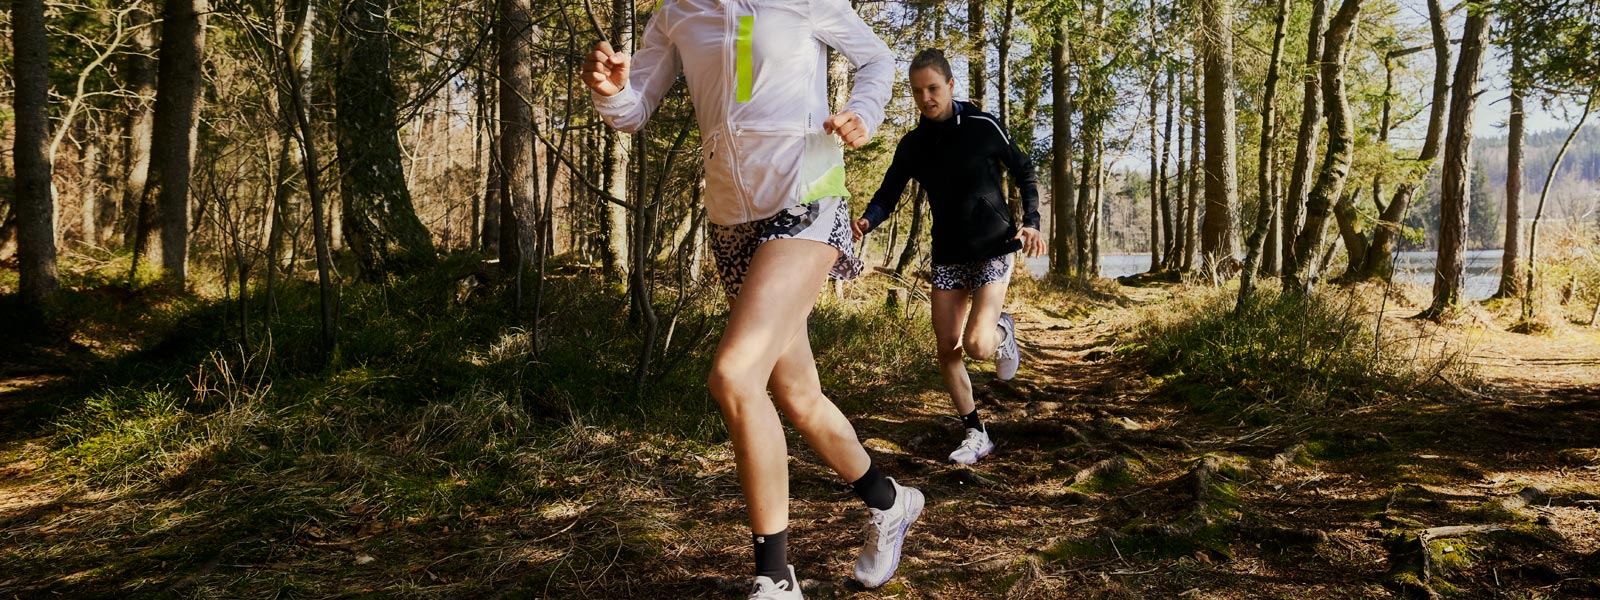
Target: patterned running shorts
{"points": [[973, 275], [826, 221]]}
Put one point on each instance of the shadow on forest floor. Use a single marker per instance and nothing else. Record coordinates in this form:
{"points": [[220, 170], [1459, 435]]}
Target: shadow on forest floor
{"points": [[1099, 488]]}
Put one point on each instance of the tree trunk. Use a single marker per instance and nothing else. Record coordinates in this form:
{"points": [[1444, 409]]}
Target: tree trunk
{"points": [[141, 84], [1155, 152], [908, 256], [1180, 245], [1341, 140], [1169, 244], [1191, 243], [175, 127], [1510, 265], [1268, 204], [1062, 194], [1085, 225], [977, 62], [89, 187], [1310, 126], [380, 225], [1003, 54], [516, 131], [300, 80], [1219, 242], [1453, 197], [618, 158], [36, 237]]}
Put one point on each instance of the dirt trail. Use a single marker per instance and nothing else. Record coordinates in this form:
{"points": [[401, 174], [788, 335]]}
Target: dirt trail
{"points": [[1099, 489]]}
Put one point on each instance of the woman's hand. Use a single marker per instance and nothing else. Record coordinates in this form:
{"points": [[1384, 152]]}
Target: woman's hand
{"points": [[858, 228], [606, 70], [1032, 242], [851, 129]]}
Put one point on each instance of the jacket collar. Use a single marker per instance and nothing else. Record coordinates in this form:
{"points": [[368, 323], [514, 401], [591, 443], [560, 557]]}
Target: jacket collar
{"points": [[959, 107]]}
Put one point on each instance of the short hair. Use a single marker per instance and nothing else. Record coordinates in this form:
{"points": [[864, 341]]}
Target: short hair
{"points": [[934, 58]]}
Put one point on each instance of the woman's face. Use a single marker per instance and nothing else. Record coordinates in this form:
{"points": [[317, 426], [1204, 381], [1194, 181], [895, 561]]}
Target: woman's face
{"points": [[931, 91]]}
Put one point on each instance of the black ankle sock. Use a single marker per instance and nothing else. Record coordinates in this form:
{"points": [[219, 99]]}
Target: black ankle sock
{"points": [[874, 489], [772, 556], [971, 420]]}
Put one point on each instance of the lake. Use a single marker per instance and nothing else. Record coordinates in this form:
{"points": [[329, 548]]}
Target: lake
{"points": [[1483, 269]]}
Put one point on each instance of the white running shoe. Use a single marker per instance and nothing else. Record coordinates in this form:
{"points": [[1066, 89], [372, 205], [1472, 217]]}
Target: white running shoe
{"points": [[767, 589], [1007, 357], [976, 446], [886, 533]]}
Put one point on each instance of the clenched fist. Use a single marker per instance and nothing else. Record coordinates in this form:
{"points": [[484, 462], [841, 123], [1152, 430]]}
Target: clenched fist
{"points": [[851, 129], [605, 70]]}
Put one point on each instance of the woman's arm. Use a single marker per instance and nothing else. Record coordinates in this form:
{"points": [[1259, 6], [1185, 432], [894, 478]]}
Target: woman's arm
{"points": [[653, 70], [889, 192], [1023, 174], [836, 24]]}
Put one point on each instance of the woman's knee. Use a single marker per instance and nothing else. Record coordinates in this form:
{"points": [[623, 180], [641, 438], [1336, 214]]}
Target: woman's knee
{"points": [[949, 349], [802, 406], [732, 387], [977, 347]]}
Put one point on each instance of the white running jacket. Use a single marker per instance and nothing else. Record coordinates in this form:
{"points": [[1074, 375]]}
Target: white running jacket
{"points": [[757, 72]]}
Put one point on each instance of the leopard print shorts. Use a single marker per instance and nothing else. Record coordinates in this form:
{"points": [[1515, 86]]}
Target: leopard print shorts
{"points": [[826, 221], [973, 275]]}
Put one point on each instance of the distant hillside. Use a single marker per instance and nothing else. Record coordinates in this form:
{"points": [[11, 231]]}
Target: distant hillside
{"points": [[1580, 170]]}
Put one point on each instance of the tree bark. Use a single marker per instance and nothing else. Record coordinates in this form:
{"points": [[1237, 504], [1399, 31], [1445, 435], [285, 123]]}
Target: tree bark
{"points": [[1003, 73], [1310, 126], [1510, 263], [1169, 245], [380, 225], [89, 187], [977, 62], [141, 84], [514, 28], [1062, 209], [1336, 161], [615, 224], [908, 256], [1191, 243], [1268, 204], [1155, 150], [1453, 196], [1219, 242], [175, 128], [36, 237], [300, 60], [1180, 242]]}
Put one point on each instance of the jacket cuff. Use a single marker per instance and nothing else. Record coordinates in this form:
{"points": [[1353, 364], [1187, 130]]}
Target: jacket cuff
{"points": [[874, 216], [615, 102]]}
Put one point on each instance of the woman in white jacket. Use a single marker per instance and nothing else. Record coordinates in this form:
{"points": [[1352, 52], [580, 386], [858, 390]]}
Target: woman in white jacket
{"points": [[775, 195]]}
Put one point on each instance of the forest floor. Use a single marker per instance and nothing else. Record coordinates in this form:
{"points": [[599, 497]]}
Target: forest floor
{"points": [[1100, 488]]}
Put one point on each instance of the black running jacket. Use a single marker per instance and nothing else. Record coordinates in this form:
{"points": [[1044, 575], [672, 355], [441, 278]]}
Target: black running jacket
{"points": [[957, 161]]}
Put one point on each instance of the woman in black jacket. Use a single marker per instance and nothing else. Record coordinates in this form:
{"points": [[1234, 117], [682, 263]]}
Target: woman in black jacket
{"points": [[955, 153]]}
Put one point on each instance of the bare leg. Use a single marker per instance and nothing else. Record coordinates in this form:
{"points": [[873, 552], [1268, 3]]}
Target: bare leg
{"points": [[798, 392], [982, 335], [949, 310], [779, 291]]}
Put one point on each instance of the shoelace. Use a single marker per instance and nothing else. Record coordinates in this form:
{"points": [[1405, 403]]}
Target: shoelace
{"points": [[768, 590], [877, 534], [1007, 341]]}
